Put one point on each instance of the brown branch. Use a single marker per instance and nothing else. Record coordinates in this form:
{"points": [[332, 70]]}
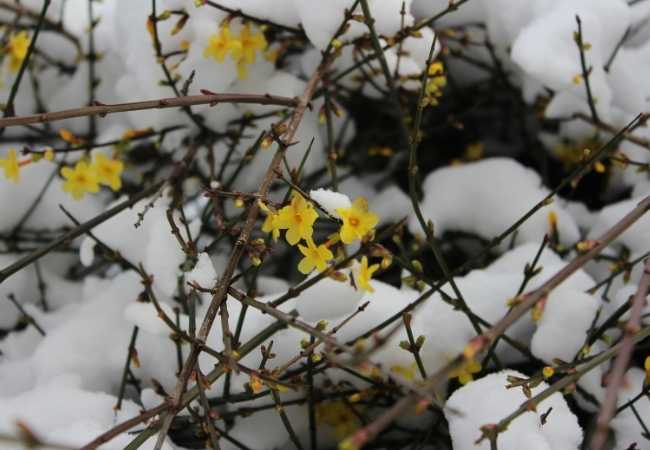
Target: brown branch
{"points": [[162, 103], [221, 289], [125, 426], [617, 374], [628, 136], [479, 344]]}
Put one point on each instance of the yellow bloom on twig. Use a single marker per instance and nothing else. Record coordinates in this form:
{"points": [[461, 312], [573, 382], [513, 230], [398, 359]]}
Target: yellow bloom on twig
{"points": [[70, 137], [11, 166], [298, 219], [80, 180], [108, 171], [222, 43], [357, 221], [364, 274], [646, 366], [17, 49], [406, 372], [272, 225], [465, 373], [435, 84], [316, 257], [251, 42], [339, 416]]}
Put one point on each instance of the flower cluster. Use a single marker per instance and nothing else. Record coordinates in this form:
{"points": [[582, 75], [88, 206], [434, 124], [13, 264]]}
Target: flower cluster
{"points": [[435, 83], [85, 177], [242, 49], [298, 218]]}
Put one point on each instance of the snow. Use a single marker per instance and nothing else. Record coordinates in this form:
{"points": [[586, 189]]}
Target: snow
{"points": [[328, 299], [203, 273], [160, 255], [92, 414], [627, 429], [481, 198], [569, 314], [90, 317], [330, 200], [488, 400], [33, 178], [145, 316]]}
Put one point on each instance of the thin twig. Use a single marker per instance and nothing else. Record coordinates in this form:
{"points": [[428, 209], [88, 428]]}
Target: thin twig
{"points": [[162, 103], [617, 375]]}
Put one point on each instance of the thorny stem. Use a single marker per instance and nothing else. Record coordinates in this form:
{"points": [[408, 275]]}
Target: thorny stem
{"points": [[481, 343], [570, 379], [223, 284], [162, 103], [615, 379]]}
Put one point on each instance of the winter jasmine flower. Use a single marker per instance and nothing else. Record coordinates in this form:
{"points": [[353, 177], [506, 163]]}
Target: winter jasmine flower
{"points": [[250, 43], [69, 137], [108, 171], [298, 219], [339, 416], [11, 166], [80, 180], [364, 274], [316, 257], [408, 373], [17, 49], [357, 221], [219, 45], [465, 373]]}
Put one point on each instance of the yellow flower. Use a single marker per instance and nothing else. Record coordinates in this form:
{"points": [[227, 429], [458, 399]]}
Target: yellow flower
{"points": [[17, 49], [298, 219], [255, 383], [250, 44], [548, 372], [80, 180], [11, 166], [132, 133], [70, 137], [435, 84], [108, 171], [316, 257], [646, 366], [272, 225], [357, 221], [220, 44], [339, 416], [408, 372], [465, 372], [364, 274]]}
